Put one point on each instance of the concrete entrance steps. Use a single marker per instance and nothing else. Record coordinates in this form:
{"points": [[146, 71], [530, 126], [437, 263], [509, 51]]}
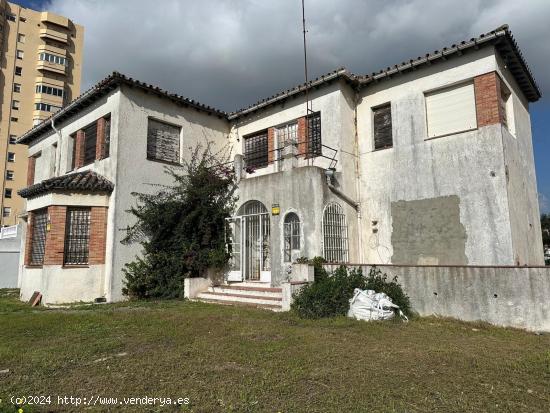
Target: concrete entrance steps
{"points": [[260, 296]]}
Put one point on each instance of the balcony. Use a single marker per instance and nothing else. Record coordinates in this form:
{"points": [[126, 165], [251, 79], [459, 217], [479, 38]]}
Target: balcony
{"points": [[48, 17], [51, 49], [54, 35], [51, 67]]}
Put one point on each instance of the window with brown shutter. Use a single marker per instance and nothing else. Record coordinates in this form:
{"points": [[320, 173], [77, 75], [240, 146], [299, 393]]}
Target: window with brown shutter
{"points": [[90, 140], [163, 141], [382, 127], [256, 150]]}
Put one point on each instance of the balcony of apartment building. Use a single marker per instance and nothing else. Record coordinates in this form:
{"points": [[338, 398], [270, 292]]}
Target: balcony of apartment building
{"points": [[52, 59], [56, 27]]}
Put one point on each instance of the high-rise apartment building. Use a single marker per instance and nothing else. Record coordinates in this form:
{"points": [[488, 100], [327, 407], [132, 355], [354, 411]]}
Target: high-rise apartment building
{"points": [[40, 71]]}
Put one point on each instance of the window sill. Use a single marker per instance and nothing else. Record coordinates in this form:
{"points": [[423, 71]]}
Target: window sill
{"points": [[76, 266], [163, 161], [382, 149], [33, 266], [429, 138]]}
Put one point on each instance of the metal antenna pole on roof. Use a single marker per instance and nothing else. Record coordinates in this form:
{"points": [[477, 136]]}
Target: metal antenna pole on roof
{"points": [[308, 110]]}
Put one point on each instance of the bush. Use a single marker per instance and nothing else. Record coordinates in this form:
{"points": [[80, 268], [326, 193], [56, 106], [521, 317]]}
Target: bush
{"points": [[181, 227], [329, 295]]}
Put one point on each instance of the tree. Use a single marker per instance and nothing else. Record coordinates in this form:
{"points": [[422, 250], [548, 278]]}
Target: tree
{"points": [[181, 227]]}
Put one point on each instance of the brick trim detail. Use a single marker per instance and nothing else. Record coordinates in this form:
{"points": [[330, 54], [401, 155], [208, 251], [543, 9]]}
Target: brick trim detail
{"points": [[100, 141], [79, 149], [302, 138], [488, 94], [270, 145], [98, 235], [28, 238], [55, 236], [31, 167]]}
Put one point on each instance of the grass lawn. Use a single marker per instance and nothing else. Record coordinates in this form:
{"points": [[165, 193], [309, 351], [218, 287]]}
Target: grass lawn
{"points": [[246, 360]]}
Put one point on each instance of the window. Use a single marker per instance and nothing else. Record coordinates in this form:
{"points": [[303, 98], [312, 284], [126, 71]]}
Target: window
{"points": [[287, 135], [21, 38], [382, 127], [15, 104], [72, 151], [90, 141], [13, 139], [7, 193], [291, 228], [18, 70], [19, 54], [451, 110], [6, 212], [11, 157], [17, 87], [9, 175], [107, 137], [314, 146], [46, 107], [335, 234], [14, 119], [10, 17], [163, 141], [52, 58], [38, 237], [256, 150], [507, 108], [49, 90], [77, 236], [22, 19]]}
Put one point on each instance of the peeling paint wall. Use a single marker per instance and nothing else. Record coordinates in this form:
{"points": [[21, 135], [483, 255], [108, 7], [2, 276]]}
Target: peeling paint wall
{"points": [[428, 231]]}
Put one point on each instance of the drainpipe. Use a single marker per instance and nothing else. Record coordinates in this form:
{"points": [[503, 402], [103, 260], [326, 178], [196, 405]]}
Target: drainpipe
{"points": [[329, 173], [358, 178]]}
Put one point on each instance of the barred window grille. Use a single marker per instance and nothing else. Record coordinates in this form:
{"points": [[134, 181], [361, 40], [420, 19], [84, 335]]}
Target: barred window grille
{"points": [[314, 144], [163, 141], [256, 150], [291, 228], [335, 234], [90, 140], [38, 238], [107, 137], [77, 236]]}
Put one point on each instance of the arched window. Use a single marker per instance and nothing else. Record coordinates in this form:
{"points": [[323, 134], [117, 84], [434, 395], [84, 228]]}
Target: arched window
{"points": [[335, 234], [291, 228]]}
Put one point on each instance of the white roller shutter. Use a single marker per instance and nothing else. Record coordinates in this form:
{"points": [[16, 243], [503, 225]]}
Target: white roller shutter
{"points": [[451, 110]]}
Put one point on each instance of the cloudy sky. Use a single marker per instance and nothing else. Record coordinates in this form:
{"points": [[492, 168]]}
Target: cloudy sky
{"points": [[230, 53]]}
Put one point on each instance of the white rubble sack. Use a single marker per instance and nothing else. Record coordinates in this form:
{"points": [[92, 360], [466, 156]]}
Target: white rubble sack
{"points": [[369, 305]]}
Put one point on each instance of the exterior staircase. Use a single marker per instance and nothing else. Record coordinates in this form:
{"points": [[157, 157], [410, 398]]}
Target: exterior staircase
{"points": [[248, 294]]}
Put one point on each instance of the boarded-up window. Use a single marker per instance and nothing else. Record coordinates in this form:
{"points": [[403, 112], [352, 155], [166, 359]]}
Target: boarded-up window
{"points": [[451, 110], [90, 140], [38, 236], [382, 127], [256, 150], [163, 141], [314, 146], [77, 236]]}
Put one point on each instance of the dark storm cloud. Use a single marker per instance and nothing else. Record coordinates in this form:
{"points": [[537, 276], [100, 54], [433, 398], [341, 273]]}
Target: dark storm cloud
{"points": [[229, 54]]}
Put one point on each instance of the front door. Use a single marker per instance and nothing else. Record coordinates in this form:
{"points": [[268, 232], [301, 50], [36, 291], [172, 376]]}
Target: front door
{"points": [[248, 242]]}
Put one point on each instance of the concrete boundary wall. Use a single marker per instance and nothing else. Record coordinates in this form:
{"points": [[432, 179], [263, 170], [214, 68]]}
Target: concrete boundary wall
{"points": [[505, 296]]}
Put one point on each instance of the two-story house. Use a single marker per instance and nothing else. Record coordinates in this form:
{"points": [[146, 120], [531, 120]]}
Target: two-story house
{"points": [[428, 162]]}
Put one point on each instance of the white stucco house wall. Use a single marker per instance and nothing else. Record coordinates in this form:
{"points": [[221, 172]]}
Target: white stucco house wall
{"points": [[427, 162]]}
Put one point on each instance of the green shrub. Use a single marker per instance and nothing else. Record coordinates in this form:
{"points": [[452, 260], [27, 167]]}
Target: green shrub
{"points": [[329, 294]]}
